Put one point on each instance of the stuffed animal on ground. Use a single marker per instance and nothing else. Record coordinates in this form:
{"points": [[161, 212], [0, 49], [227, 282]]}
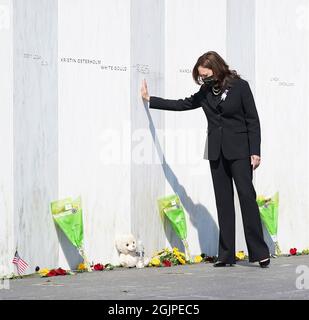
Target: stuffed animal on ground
{"points": [[127, 249]]}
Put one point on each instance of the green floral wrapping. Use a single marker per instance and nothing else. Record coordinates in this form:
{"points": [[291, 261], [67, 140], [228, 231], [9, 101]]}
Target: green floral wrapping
{"points": [[171, 208], [68, 216], [269, 208]]}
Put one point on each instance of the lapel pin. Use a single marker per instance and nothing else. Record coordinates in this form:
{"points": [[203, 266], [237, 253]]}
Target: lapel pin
{"points": [[224, 94]]}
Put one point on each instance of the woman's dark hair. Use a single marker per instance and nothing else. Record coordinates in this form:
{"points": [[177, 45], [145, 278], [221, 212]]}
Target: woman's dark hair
{"points": [[212, 60]]}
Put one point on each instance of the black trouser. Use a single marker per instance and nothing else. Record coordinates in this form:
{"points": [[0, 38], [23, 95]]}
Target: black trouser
{"points": [[240, 170]]}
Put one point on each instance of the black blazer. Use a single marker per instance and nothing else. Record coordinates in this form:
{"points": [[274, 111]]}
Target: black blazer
{"points": [[233, 122]]}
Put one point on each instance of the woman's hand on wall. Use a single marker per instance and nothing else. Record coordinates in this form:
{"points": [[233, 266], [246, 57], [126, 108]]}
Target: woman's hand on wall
{"points": [[255, 161], [144, 91]]}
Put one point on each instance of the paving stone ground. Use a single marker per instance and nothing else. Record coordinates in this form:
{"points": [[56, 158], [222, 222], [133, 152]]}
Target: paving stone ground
{"points": [[190, 282]]}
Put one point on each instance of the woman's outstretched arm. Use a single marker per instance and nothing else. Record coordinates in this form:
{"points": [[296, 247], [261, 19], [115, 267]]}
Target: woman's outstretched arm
{"points": [[189, 103]]}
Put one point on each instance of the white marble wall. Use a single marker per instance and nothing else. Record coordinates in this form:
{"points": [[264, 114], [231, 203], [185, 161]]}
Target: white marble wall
{"points": [[282, 82], [102, 120], [240, 55], [35, 130], [192, 28], [6, 137], [147, 171], [72, 121], [94, 119]]}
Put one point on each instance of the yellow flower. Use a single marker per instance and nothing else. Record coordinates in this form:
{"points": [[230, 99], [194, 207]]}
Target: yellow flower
{"points": [[240, 255], [82, 267], [198, 259], [180, 257], [43, 272], [155, 262], [305, 251], [175, 249], [181, 260]]}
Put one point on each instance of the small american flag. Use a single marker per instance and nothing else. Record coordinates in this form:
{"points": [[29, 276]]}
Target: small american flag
{"points": [[21, 265]]}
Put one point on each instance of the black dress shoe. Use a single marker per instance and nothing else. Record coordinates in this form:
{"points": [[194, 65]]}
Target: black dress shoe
{"points": [[264, 264], [222, 264]]}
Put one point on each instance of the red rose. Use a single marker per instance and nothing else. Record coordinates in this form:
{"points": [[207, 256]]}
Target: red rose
{"points": [[166, 263], [51, 273], [210, 259], [293, 251], [56, 272], [98, 267], [60, 272]]}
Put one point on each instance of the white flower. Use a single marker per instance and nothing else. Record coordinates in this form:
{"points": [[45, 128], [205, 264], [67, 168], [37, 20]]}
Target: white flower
{"points": [[224, 94]]}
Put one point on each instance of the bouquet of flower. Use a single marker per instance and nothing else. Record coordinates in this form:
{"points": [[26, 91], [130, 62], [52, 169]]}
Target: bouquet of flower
{"points": [[168, 258], [269, 214], [68, 215], [171, 208]]}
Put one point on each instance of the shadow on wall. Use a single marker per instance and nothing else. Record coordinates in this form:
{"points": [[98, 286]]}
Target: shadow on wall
{"points": [[70, 252], [268, 240], [200, 217]]}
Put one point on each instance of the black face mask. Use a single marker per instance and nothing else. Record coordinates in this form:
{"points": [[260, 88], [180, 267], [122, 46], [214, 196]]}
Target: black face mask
{"points": [[210, 81]]}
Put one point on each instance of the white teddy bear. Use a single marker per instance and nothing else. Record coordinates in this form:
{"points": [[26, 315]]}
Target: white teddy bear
{"points": [[127, 246]]}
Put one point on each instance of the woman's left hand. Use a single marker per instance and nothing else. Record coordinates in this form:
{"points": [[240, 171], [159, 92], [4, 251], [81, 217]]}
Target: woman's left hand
{"points": [[255, 161]]}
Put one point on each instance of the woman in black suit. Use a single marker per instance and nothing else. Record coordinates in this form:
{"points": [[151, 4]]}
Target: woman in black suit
{"points": [[233, 151]]}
